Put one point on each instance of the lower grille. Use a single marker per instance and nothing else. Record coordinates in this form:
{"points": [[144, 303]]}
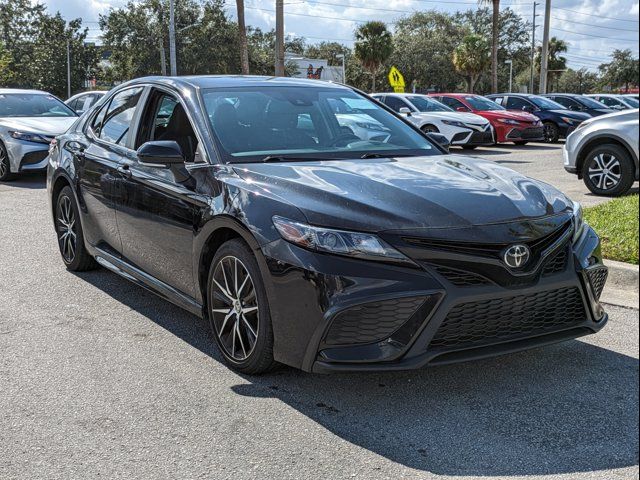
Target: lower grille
{"points": [[491, 321], [597, 278], [32, 158], [481, 137], [533, 133], [371, 322]]}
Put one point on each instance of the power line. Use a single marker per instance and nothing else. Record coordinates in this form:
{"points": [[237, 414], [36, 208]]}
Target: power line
{"points": [[594, 36], [598, 16], [596, 26]]}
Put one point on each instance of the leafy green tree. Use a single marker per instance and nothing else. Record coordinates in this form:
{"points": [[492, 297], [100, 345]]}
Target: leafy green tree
{"points": [[577, 81], [622, 71], [6, 73], [373, 46], [472, 58]]}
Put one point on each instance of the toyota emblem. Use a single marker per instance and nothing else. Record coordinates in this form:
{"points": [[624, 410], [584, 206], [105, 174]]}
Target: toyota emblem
{"points": [[516, 256]]}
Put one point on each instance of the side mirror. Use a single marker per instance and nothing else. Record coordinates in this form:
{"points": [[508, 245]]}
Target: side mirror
{"points": [[575, 108], [527, 108], [160, 153], [439, 139], [462, 109], [405, 110]]}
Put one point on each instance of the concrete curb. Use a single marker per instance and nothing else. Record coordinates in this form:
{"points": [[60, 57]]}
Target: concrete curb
{"points": [[622, 285]]}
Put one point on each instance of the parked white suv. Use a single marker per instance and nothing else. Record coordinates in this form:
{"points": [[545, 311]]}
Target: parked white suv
{"points": [[466, 130], [603, 151]]}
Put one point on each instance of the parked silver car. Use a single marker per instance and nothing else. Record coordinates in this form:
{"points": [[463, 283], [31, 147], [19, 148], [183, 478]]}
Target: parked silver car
{"points": [[29, 120], [603, 151], [82, 102]]}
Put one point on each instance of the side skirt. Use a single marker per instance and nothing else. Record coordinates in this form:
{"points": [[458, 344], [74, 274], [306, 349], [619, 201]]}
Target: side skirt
{"points": [[148, 282]]}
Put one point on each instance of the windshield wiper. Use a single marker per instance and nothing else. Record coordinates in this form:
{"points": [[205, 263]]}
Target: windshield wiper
{"points": [[283, 158], [387, 155]]}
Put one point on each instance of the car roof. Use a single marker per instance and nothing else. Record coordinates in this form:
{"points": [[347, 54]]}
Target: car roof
{"points": [[4, 91], [221, 81], [458, 95]]}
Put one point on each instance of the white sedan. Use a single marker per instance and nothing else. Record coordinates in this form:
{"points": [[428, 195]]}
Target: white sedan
{"points": [[466, 130]]}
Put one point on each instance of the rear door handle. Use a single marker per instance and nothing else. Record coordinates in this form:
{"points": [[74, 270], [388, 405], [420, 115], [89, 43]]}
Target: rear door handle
{"points": [[124, 171]]}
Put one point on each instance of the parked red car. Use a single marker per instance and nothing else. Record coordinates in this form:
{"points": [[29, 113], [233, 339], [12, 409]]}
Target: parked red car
{"points": [[517, 127]]}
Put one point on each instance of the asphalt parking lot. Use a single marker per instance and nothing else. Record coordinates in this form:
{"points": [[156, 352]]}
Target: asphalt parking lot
{"points": [[99, 378]]}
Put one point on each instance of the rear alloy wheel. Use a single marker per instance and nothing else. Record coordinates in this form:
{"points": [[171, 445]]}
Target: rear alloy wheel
{"points": [[238, 309], [69, 232], [429, 129], [608, 170], [551, 132], [5, 171]]}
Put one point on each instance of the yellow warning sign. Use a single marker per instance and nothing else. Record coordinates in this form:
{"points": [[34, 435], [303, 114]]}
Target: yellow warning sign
{"points": [[396, 80]]}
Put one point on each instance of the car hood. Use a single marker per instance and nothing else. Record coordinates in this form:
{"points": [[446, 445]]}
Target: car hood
{"points": [[406, 193], [510, 114], [571, 114], [456, 116], [46, 125]]}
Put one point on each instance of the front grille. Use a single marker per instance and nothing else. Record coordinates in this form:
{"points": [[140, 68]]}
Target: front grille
{"points": [[371, 322], [481, 137], [458, 137], [597, 278], [485, 322], [533, 133], [491, 250], [461, 278], [556, 264]]}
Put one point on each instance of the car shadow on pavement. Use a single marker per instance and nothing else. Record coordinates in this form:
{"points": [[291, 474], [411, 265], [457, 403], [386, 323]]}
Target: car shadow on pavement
{"points": [[566, 408], [31, 180]]}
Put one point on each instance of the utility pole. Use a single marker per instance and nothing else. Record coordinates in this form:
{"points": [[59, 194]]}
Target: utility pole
{"points": [[163, 59], [544, 60], [533, 46], [279, 38], [172, 39], [68, 68]]}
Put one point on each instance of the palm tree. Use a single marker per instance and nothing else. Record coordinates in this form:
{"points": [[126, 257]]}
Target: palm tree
{"points": [[373, 47], [495, 31], [242, 36], [471, 58], [556, 62]]}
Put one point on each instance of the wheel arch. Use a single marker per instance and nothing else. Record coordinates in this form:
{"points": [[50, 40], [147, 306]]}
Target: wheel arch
{"points": [[597, 141], [219, 230]]}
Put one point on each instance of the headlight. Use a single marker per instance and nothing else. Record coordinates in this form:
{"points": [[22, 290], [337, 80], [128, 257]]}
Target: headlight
{"points": [[567, 120], [370, 126], [454, 123], [578, 221], [509, 121], [352, 244], [30, 137]]}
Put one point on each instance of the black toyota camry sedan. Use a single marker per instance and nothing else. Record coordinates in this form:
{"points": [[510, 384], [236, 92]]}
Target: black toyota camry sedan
{"points": [[318, 239]]}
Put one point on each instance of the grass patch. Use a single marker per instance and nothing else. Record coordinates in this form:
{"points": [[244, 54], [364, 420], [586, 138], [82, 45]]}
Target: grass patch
{"points": [[617, 224]]}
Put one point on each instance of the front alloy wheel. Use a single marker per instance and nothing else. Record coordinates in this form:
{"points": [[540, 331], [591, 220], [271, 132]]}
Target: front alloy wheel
{"points": [[551, 132], [235, 308], [5, 171], [239, 309], [608, 170]]}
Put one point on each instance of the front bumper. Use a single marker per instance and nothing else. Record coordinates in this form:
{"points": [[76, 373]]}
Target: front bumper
{"points": [[26, 156], [337, 314], [518, 133], [473, 138]]}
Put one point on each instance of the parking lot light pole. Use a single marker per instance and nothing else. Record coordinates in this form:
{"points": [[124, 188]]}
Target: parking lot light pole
{"points": [[510, 63], [68, 68]]}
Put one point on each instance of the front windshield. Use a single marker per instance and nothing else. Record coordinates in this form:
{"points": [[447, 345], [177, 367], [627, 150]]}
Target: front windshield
{"points": [[590, 102], [426, 104], [545, 104], [276, 123], [632, 102], [482, 104], [33, 105]]}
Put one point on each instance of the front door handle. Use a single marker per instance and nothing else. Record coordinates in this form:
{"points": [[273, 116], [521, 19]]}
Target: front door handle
{"points": [[124, 171]]}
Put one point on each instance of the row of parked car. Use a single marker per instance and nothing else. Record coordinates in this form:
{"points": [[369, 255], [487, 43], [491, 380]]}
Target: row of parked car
{"points": [[29, 120]]}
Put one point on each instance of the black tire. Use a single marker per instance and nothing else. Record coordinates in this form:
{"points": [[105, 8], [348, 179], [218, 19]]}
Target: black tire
{"points": [[551, 132], [469, 147], [429, 128], [608, 170], [520, 144], [235, 327], [5, 170], [69, 233]]}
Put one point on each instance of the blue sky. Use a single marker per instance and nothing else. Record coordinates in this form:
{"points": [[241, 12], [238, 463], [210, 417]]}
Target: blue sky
{"points": [[593, 28]]}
